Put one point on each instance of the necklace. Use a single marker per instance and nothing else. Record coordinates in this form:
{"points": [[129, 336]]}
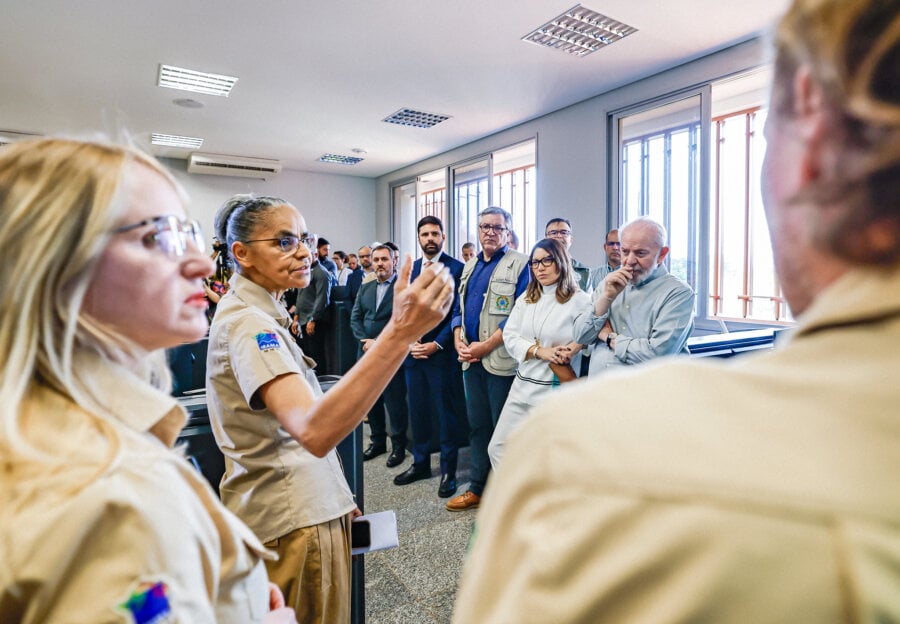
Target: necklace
{"points": [[539, 331]]}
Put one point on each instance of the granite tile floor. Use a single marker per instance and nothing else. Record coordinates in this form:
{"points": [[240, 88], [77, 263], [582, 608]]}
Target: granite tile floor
{"points": [[416, 582]]}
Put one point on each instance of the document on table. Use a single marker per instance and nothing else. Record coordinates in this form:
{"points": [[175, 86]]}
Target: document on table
{"points": [[383, 529]]}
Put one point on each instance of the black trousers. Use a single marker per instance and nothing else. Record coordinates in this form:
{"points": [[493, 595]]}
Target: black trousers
{"points": [[313, 346], [392, 402]]}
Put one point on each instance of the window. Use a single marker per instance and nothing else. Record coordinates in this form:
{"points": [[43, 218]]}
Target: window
{"points": [[432, 191], [742, 281], [514, 189], [412, 201], [504, 178], [405, 218], [708, 199], [660, 175], [470, 196]]}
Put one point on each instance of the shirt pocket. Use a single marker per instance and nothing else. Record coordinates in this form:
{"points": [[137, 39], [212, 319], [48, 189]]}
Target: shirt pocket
{"points": [[501, 297]]}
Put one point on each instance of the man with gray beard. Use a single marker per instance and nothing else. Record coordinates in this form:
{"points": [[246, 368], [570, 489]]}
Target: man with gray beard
{"points": [[641, 311]]}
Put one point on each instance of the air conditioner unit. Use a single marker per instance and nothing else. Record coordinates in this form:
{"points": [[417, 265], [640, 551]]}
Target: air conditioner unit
{"points": [[218, 164]]}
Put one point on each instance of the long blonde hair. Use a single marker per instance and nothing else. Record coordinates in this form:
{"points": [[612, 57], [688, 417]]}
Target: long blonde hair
{"points": [[59, 201]]}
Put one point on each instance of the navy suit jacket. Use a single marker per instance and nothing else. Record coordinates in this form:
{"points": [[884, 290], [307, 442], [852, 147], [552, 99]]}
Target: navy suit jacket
{"points": [[354, 282], [442, 334]]}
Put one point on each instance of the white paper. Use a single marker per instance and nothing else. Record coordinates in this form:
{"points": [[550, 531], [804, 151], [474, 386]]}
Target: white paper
{"points": [[383, 530]]}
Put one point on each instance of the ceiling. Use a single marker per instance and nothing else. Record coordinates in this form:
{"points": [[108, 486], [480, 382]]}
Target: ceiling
{"points": [[318, 77]]}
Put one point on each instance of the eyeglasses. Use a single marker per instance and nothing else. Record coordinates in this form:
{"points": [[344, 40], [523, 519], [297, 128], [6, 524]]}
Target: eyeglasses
{"points": [[555, 233], [545, 262], [488, 229], [170, 234], [289, 244], [614, 244]]}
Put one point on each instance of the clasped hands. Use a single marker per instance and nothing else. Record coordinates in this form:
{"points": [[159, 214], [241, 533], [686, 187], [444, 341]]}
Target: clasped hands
{"points": [[562, 354], [471, 352]]}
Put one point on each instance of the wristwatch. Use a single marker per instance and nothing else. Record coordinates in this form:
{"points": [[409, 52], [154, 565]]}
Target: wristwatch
{"points": [[609, 339]]}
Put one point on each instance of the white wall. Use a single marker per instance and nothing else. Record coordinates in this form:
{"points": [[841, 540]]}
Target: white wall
{"points": [[339, 208], [572, 149]]}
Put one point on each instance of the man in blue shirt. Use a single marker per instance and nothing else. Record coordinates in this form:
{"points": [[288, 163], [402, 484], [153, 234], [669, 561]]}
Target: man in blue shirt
{"points": [[489, 286]]}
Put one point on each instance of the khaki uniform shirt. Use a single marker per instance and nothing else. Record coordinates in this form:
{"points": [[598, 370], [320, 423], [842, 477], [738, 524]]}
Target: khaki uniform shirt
{"points": [[95, 541], [760, 489], [271, 482]]}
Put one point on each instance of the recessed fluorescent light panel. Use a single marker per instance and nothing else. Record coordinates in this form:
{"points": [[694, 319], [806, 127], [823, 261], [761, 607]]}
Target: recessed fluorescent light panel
{"points": [[339, 160], [173, 140], [417, 119], [579, 31], [198, 82]]}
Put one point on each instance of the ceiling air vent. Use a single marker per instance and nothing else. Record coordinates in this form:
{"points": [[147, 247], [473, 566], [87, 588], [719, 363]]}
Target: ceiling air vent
{"points": [[417, 119], [340, 160], [241, 166]]}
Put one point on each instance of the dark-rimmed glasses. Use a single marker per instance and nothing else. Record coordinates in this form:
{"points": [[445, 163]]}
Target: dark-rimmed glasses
{"points": [[487, 228], [170, 234], [546, 261], [289, 243]]}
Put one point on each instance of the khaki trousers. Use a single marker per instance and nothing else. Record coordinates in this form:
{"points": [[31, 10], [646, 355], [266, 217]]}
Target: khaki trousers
{"points": [[313, 571]]}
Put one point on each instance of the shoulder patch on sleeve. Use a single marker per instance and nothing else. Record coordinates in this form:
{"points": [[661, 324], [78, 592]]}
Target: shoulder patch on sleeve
{"points": [[267, 341], [149, 603]]}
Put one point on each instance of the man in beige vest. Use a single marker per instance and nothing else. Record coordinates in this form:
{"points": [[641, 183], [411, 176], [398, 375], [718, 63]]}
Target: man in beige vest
{"points": [[489, 286]]}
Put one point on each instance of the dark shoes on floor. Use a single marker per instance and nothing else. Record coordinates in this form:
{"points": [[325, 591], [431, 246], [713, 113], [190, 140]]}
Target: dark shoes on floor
{"points": [[373, 451], [396, 458], [448, 486], [412, 474]]}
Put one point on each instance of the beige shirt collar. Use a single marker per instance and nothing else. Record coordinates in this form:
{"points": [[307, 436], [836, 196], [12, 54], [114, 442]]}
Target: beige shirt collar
{"points": [[255, 295], [860, 295], [130, 400]]}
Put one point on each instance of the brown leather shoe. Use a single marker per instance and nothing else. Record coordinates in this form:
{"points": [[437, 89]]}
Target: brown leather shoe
{"points": [[463, 502]]}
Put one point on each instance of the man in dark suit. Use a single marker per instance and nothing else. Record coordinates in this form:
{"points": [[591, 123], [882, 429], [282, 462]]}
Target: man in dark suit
{"points": [[434, 378], [310, 318], [370, 314]]}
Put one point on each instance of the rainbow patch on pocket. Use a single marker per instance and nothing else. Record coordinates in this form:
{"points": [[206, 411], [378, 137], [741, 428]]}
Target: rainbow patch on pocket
{"points": [[267, 341], [149, 603]]}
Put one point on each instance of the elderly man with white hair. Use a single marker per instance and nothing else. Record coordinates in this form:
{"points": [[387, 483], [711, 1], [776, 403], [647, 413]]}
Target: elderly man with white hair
{"points": [[641, 311]]}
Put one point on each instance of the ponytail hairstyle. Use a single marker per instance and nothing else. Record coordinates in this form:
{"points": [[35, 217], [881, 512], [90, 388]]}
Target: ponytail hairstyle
{"points": [[242, 215]]}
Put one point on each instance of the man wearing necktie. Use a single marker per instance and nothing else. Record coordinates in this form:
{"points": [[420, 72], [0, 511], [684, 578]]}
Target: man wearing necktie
{"points": [[434, 379]]}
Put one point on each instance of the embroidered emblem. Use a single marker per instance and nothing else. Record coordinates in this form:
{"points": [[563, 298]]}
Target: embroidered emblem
{"points": [[267, 341], [149, 603], [502, 303]]}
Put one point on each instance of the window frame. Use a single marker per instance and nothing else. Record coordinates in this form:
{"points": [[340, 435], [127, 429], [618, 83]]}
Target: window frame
{"points": [[614, 204], [453, 243]]}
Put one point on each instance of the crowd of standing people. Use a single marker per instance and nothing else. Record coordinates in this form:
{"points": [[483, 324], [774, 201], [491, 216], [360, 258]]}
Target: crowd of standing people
{"points": [[679, 490]]}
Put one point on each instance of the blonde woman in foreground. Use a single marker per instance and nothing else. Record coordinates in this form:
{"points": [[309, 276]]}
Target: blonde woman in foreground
{"points": [[101, 521]]}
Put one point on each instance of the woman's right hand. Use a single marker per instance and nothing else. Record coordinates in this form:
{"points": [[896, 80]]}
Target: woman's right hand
{"points": [[421, 305]]}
